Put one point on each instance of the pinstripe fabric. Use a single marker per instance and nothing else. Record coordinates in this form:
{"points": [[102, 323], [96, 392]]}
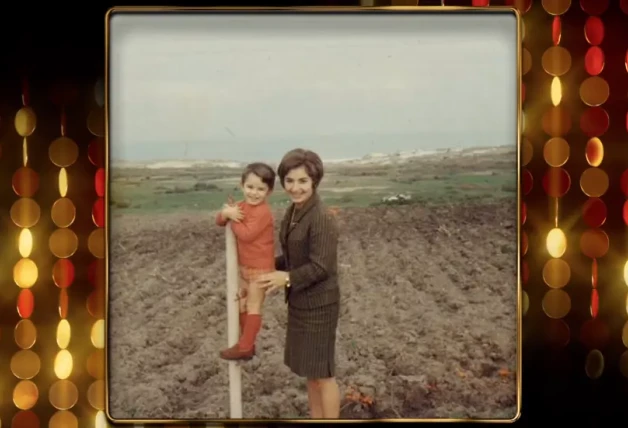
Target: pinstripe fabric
{"points": [[309, 245], [311, 341], [310, 253]]}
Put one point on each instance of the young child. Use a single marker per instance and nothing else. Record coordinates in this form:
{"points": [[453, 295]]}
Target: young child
{"points": [[252, 224]]}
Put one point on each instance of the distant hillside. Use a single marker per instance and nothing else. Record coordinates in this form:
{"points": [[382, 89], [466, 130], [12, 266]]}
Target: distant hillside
{"points": [[374, 159]]}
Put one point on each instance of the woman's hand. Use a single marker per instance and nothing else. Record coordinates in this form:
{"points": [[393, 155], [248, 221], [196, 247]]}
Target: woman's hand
{"points": [[272, 281], [232, 212]]}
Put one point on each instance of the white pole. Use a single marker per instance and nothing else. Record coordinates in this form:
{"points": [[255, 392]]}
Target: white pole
{"points": [[233, 324]]}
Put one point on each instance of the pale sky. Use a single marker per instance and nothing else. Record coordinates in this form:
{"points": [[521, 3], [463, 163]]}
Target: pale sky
{"points": [[250, 87]]}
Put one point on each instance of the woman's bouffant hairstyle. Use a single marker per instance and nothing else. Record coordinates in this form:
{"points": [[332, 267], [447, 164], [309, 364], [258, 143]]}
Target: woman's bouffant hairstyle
{"points": [[300, 157]]}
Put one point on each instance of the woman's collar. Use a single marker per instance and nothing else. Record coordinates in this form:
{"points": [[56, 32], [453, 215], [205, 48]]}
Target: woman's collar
{"points": [[300, 212]]}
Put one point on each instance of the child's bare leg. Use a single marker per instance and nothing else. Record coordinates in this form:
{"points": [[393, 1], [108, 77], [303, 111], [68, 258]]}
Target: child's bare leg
{"points": [[243, 291], [243, 295], [253, 323], [255, 300]]}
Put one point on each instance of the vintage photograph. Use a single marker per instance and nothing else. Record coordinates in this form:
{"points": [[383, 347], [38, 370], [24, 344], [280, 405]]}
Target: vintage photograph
{"points": [[367, 168]]}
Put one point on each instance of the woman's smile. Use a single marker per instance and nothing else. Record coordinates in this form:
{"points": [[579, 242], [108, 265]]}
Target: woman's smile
{"points": [[298, 185], [298, 195]]}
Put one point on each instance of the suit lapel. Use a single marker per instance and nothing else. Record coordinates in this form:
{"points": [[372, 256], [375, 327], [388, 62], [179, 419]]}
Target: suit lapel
{"points": [[289, 224], [312, 202], [285, 223]]}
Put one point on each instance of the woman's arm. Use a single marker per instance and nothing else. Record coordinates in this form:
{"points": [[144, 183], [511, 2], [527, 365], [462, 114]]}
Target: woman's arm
{"points": [[323, 253], [280, 263]]}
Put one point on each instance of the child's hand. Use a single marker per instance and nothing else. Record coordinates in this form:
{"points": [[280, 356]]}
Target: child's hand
{"points": [[232, 212]]}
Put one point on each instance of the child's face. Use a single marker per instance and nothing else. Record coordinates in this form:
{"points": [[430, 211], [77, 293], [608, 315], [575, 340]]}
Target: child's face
{"points": [[254, 189]]}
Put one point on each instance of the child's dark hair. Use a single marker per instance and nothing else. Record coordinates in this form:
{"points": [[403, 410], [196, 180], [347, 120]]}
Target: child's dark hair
{"points": [[263, 171]]}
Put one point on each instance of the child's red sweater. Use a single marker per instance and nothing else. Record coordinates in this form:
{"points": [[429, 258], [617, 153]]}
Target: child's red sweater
{"points": [[255, 236]]}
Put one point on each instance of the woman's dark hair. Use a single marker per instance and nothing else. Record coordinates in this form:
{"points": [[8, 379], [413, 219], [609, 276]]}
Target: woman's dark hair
{"points": [[300, 157], [263, 171]]}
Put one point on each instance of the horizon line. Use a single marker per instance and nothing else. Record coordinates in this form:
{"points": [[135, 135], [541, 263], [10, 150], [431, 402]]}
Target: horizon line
{"points": [[337, 159]]}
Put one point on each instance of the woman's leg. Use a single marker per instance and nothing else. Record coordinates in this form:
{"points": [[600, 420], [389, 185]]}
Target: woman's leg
{"points": [[314, 399], [330, 397]]}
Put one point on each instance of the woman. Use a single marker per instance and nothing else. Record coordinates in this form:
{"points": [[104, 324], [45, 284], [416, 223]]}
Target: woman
{"points": [[307, 271]]}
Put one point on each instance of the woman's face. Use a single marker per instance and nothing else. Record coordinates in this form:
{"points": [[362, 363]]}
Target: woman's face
{"points": [[298, 185]]}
